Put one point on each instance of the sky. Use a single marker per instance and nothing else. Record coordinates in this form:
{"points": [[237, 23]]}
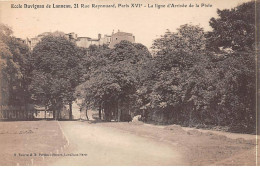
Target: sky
{"points": [[146, 24]]}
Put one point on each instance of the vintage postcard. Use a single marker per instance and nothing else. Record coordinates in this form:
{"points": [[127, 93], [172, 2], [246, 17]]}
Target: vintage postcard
{"points": [[129, 82]]}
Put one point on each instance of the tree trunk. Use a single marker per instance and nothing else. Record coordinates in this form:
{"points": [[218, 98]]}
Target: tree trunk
{"points": [[118, 114], [70, 110], [99, 112], [56, 114], [143, 117], [45, 112], [16, 114], [118, 111], [53, 114], [107, 113], [87, 113], [190, 119], [26, 115]]}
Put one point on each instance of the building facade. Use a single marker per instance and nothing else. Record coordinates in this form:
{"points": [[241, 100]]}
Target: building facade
{"points": [[31, 42], [85, 42], [119, 36]]}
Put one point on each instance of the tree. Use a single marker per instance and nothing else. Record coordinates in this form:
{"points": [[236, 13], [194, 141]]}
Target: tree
{"points": [[195, 83], [235, 86], [234, 28], [14, 56], [176, 56], [233, 42], [114, 78], [56, 71]]}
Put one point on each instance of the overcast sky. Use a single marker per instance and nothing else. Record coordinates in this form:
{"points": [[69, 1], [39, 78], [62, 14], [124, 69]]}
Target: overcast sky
{"points": [[146, 23]]}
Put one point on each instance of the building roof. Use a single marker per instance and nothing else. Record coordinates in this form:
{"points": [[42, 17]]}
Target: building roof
{"points": [[94, 39], [123, 34], [83, 38], [44, 34]]}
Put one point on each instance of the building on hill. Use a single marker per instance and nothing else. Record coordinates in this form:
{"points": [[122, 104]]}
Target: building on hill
{"points": [[31, 42], [119, 36], [85, 42], [21, 40]]}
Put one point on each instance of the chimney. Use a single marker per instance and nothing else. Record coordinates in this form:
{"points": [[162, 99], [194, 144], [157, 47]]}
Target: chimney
{"points": [[99, 36]]}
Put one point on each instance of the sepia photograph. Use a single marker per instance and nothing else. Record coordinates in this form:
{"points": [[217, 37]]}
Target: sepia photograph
{"points": [[129, 82]]}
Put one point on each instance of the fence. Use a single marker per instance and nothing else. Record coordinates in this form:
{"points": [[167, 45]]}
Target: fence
{"points": [[17, 113]]}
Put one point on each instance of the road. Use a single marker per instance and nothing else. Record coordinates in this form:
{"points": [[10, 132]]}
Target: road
{"points": [[109, 146], [38, 143]]}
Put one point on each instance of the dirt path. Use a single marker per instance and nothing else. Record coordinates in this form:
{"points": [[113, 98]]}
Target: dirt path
{"points": [[108, 146], [198, 147], [21, 142], [120, 143]]}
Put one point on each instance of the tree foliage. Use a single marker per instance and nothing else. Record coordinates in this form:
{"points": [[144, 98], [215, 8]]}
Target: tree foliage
{"points": [[193, 78], [56, 71], [14, 57], [114, 77], [197, 82], [234, 28]]}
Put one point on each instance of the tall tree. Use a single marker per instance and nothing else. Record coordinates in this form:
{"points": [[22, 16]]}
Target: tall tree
{"points": [[233, 28], [57, 70], [207, 78], [14, 55], [233, 40], [178, 58], [114, 78]]}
